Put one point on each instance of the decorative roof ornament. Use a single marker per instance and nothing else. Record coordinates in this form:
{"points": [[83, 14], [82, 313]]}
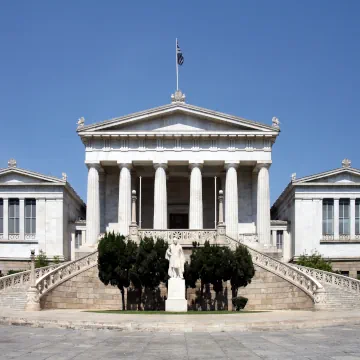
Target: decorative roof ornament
{"points": [[293, 176], [12, 163], [81, 122], [64, 176], [346, 163], [275, 122], [178, 97]]}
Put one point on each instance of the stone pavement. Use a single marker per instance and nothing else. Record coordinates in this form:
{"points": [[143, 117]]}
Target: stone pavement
{"points": [[330, 343], [272, 320]]}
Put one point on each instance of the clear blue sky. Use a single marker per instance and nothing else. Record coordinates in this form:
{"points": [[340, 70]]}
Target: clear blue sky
{"points": [[297, 60]]}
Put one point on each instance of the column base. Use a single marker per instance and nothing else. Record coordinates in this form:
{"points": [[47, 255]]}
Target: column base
{"points": [[176, 301], [32, 299]]}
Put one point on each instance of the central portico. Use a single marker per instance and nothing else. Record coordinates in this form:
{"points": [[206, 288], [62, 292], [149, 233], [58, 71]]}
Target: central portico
{"points": [[177, 158]]}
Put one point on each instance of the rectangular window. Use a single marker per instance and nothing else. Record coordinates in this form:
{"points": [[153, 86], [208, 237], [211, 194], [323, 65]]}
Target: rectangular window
{"points": [[357, 217], [30, 216], [358, 275], [14, 216], [279, 239], [344, 217], [328, 217], [344, 273], [1, 216]]}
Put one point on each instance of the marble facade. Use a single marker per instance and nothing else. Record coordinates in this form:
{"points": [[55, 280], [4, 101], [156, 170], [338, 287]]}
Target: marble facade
{"points": [[177, 157], [56, 208]]}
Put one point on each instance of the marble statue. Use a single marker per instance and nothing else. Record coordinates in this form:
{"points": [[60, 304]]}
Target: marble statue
{"points": [[176, 258]]}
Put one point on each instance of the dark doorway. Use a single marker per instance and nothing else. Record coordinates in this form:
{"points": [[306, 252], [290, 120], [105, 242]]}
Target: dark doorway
{"points": [[179, 221]]}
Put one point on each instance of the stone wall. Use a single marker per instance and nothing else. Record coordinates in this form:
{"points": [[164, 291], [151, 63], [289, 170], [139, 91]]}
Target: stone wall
{"points": [[268, 291], [353, 267], [6, 265], [85, 291]]}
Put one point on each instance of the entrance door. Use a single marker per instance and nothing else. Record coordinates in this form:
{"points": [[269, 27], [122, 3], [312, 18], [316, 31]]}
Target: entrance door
{"points": [[179, 221]]}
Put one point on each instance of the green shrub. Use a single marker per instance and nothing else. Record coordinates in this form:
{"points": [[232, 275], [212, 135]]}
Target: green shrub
{"points": [[11, 272], [56, 259], [41, 260], [315, 261], [239, 302]]}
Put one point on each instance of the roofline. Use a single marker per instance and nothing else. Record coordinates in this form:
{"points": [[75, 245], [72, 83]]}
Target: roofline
{"points": [[31, 173], [327, 173], [174, 107]]}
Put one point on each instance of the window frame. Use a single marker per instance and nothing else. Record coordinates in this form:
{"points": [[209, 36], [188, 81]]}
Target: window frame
{"points": [[280, 239], [14, 221], [343, 220], [30, 220], [327, 221]]}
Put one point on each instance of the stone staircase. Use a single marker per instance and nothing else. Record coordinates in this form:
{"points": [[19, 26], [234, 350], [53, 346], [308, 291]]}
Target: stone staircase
{"points": [[14, 298]]}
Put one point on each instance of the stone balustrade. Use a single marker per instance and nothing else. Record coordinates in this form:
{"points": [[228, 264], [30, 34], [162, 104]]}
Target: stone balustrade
{"points": [[22, 279], [329, 278], [185, 237], [55, 277]]}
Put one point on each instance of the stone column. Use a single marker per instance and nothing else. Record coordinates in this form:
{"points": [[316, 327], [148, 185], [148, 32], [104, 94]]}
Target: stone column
{"points": [[274, 233], [221, 228], [133, 228], [93, 205], [102, 196], [263, 204], [231, 200], [160, 197], [124, 212], [336, 219], [32, 294], [22, 219], [196, 202], [352, 218], [6, 218]]}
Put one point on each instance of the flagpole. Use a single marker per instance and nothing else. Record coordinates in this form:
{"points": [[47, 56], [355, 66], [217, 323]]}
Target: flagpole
{"points": [[177, 69]]}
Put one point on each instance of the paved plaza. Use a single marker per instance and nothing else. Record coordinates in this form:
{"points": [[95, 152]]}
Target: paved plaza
{"points": [[338, 343]]}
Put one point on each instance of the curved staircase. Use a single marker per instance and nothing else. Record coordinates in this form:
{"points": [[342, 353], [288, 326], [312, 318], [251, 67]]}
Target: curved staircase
{"points": [[327, 290]]}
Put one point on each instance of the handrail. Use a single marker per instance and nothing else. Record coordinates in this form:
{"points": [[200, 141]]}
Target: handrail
{"points": [[22, 279], [55, 277], [305, 282], [329, 278]]}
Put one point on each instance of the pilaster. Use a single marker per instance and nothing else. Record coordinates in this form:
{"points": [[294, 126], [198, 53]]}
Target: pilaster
{"points": [[160, 196], [6, 218], [336, 218], [22, 219], [352, 218], [196, 201]]}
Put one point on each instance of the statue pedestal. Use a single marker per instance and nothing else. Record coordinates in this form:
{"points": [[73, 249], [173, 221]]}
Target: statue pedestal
{"points": [[176, 296]]}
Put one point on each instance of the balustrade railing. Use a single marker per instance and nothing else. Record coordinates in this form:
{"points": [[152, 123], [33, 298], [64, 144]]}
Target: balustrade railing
{"points": [[54, 278], [343, 282], [184, 237], [248, 238], [300, 279], [22, 279]]}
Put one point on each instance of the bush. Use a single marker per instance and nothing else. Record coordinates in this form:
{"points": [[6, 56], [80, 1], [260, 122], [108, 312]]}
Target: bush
{"points": [[56, 259], [11, 272], [315, 261], [239, 302], [41, 260]]}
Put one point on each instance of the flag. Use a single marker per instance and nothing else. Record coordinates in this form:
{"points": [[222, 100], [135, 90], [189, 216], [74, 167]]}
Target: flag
{"points": [[180, 57]]}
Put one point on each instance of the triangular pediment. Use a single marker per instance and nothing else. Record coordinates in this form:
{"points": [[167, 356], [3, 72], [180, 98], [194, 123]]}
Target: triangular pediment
{"points": [[16, 176], [336, 177], [178, 117]]}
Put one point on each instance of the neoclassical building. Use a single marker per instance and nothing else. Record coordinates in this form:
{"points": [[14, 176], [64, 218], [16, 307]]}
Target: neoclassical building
{"points": [[36, 212], [323, 214], [177, 158]]}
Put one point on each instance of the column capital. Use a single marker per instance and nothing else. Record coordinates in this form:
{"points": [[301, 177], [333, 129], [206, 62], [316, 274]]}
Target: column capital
{"points": [[262, 164], [122, 164], [196, 163], [160, 164], [231, 163], [94, 164]]}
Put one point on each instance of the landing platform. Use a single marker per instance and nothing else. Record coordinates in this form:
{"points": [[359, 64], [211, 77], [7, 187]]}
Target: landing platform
{"points": [[272, 320]]}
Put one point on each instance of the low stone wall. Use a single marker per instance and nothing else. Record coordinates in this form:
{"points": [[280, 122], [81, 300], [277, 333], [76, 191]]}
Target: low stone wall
{"points": [[270, 292], [353, 267], [6, 265], [85, 291]]}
